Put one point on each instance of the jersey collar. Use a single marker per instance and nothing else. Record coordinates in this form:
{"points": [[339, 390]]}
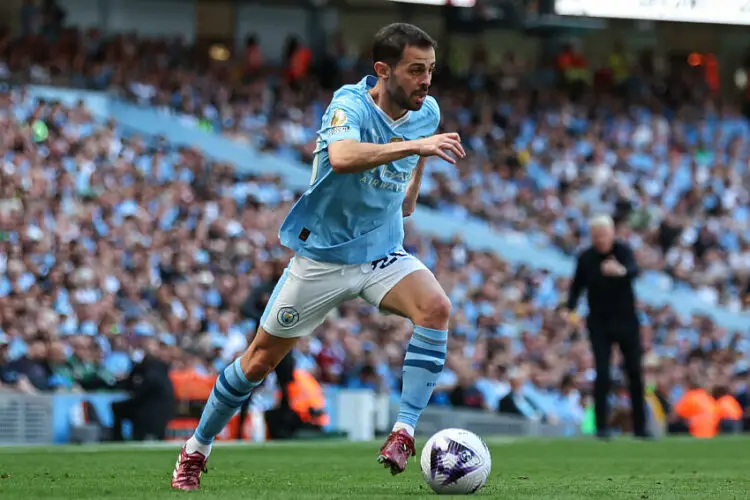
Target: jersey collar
{"points": [[369, 82]]}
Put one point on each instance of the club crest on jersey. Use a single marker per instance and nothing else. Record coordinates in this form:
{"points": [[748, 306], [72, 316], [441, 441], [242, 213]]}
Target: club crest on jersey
{"points": [[287, 317], [338, 119]]}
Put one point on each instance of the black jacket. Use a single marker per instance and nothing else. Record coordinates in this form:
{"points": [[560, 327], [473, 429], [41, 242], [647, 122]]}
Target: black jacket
{"points": [[610, 299], [151, 390]]}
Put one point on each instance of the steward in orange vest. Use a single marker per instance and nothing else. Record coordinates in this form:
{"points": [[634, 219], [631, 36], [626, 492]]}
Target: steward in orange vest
{"points": [[306, 399], [301, 405]]}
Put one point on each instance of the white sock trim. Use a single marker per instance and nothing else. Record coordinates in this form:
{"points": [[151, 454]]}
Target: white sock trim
{"points": [[408, 428], [194, 445]]}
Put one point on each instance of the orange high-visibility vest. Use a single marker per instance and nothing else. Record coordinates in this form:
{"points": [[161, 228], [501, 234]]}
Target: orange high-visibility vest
{"points": [[306, 394], [728, 408], [299, 63], [191, 386], [698, 408]]}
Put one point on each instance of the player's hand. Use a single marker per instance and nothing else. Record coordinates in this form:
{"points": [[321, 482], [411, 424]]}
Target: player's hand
{"points": [[443, 146]]}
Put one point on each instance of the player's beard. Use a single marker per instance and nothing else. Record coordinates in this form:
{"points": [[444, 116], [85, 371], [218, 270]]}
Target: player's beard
{"points": [[402, 99]]}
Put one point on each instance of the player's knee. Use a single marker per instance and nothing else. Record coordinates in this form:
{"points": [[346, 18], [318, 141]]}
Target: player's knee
{"points": [[433, 311]]}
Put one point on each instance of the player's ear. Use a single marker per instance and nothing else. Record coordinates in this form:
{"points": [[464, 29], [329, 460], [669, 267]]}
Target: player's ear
{"points": [[383, 70]]}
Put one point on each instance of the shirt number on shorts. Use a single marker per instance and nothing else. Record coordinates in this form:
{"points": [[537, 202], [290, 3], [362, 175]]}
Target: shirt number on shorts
{"points": [[386, 261]]}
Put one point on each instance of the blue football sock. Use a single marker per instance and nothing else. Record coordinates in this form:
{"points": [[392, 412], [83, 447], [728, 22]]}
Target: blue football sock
{"points": [[231, 390], [424, 361]]}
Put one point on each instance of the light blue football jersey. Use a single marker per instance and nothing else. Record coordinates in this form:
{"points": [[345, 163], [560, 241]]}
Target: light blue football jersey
{"points": [[356, 218]]}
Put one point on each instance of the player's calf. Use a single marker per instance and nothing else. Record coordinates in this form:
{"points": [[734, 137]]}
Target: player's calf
{"points": [[423, 364], [233, 386], [264, 354], [229, 392], [420, 298], [231, 389]]}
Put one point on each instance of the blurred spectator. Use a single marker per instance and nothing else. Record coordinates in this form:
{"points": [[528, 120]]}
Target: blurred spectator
{"points": [[152, 402], [9, 378], [30, 18], [516, 402], [253, 57], [31, 371], [569, 405], [465, 393], [53, 19], [493, 385], [298, 58]]}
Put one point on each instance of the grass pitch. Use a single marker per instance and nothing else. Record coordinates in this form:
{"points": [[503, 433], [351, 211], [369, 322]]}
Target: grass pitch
{"points": [[551, 470]]}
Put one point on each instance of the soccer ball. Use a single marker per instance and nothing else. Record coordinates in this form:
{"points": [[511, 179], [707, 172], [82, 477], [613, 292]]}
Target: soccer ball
{"points": [[455, 462]]}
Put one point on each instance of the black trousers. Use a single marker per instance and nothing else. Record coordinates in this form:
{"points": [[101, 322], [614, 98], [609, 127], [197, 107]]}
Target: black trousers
{"points": [[626, 336], [143, 426], [284, 423]]}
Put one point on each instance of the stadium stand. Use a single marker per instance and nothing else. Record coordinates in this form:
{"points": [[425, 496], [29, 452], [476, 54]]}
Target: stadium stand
{"points": [[535, 166], [109, 237]]}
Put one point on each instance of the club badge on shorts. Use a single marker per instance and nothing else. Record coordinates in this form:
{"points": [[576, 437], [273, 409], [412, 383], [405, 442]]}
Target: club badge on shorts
{"points": [[287, 317]]}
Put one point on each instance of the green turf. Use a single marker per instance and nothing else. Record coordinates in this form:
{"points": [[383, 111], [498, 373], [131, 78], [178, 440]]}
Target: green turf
{"points": [[551, 470]]}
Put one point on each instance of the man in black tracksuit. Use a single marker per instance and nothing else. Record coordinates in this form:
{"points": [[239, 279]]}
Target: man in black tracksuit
{"points": [[607, 270]]}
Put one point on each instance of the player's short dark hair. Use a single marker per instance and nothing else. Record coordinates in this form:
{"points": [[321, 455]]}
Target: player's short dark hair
{"points": [[391, 40]]}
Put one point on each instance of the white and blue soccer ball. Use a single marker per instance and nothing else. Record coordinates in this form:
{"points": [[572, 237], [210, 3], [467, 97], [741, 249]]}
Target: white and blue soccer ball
{"points": [[456, 462]]}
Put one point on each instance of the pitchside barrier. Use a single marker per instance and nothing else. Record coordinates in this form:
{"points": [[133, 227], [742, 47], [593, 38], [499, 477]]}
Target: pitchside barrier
{"points": [[483, 423], [25, 419], [361, 414]]}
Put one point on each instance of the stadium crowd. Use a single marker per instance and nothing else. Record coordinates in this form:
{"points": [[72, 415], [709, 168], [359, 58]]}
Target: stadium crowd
{"points": [[649, 146], [113, 244]]}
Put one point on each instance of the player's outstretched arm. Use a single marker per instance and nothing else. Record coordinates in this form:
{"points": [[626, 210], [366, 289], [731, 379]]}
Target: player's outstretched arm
{"points": [[351, 156], [412, 190]]}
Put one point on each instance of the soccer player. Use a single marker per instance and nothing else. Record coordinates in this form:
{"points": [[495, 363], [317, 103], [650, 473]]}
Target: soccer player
{"points": [[347, 234]]}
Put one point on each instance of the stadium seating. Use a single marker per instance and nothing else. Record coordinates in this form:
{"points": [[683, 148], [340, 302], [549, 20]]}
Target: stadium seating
{"points": [[159, 224]]}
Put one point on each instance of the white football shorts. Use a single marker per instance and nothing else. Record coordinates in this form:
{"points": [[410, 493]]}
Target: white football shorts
{"points": [[308, 290]]}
